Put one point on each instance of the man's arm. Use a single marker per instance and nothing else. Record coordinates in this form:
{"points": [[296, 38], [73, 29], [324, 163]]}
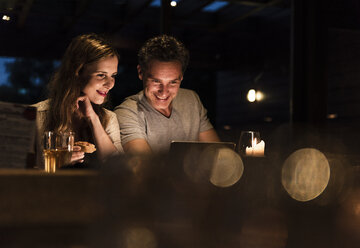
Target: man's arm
{"points": [[209, 135], [132, 127], [137, 146]]}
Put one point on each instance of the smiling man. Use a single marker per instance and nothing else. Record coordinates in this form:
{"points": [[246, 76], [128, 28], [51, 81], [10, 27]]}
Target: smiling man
{"points": [[162, 111]]}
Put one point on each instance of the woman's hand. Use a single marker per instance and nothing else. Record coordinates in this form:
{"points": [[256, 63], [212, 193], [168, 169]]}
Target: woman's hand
{"points": [[77, 156], [105, 146], [85, 108]]}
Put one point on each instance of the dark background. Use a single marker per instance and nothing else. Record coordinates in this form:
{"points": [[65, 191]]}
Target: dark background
{"points": [[229, 49], [303, 55]]}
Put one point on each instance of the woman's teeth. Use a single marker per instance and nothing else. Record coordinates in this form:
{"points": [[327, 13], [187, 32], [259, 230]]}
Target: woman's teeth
{"points": [[102, 93]]}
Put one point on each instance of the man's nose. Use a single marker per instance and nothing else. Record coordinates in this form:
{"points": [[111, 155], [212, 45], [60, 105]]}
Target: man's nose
{"points": [[163, 88]]}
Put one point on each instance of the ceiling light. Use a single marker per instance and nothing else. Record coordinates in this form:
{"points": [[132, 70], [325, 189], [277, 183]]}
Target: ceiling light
{"points": [[157, 3], [254, 95], [6, 18], [251, 96]]}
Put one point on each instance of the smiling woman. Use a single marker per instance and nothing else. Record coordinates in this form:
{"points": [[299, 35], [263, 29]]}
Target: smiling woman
{"points": [[77, 92], [101, 79]]}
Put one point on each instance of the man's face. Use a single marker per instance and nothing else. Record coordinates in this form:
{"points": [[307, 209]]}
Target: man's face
{"points": [[161, 84]]}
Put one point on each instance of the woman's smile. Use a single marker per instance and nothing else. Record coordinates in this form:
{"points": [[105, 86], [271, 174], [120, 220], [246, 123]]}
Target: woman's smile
{"points": [[102, 93]]}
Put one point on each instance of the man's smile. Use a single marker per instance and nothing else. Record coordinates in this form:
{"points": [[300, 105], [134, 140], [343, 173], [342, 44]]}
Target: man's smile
{"points": [[162, 98]]}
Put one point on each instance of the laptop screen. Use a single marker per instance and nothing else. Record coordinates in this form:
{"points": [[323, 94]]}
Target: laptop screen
{"points": [[197, 161]]}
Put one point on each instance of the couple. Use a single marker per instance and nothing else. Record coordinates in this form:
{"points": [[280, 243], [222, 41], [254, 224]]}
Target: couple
{"points": [[149, 121]]}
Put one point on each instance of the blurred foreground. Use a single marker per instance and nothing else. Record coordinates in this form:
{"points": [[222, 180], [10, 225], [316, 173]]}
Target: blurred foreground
{"points": [[152, 202]]}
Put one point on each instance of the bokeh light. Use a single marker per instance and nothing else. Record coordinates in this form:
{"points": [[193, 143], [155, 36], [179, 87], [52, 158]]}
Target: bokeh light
{"points": [[220, 165], [192, 169], [305, 174], [227, 167], [348, 219], [6, 18], [254, 95], [251, 96], [139, 237], [259, 96], [264, 228]]}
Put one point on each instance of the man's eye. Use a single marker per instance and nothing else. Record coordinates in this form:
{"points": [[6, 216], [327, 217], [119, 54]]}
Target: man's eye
{"points": [[174, 83], [155, 81]]}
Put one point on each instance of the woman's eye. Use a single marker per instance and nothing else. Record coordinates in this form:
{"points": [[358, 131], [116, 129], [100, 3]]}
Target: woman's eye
{"points": [[101, 76]]}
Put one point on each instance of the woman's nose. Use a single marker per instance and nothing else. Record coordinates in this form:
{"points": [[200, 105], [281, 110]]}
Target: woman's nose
{"points": [[110, 83]]}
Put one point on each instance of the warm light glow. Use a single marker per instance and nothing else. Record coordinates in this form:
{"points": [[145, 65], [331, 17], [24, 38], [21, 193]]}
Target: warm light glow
{"points": [[332, 116], [227, 167], [256, 150], [221, 166], [227, 127], [6, 18], [250, 144], [173, 3], [348, 216], [268, 119], [305, 174], [138, 237], [259, 95], [253, 143], [251, 96], [263, 227], [254, 95]]}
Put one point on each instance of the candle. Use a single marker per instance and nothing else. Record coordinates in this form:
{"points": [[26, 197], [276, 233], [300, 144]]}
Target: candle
{"points": [[256, 149]]}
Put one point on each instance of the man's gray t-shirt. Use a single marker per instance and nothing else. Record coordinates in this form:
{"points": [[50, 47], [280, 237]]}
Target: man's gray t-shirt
{"points": [[138, 119]]}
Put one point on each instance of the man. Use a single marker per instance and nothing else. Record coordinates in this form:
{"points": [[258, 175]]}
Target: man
{"points": [[163, 111]]}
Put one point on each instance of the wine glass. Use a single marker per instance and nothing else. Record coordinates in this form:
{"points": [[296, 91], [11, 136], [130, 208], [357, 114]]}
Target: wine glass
{"points": [[247, 143], [57, 149]]}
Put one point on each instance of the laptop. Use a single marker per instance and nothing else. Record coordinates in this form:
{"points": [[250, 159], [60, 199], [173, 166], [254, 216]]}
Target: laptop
{"points": [[184, 146], [190, 158]]}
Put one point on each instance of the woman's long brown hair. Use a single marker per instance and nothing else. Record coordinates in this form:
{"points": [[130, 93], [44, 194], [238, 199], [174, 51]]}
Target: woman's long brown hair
{"points": [[67, 83]]}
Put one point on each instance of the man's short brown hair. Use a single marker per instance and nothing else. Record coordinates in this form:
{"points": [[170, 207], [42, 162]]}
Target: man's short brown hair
{"points": [[164, 48]]}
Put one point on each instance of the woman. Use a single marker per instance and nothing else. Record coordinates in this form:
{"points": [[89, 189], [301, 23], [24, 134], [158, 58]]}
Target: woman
{"points": [[77, 91]]}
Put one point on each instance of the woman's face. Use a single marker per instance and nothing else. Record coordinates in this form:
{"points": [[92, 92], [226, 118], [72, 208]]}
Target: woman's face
{"points": [[101, 79]]}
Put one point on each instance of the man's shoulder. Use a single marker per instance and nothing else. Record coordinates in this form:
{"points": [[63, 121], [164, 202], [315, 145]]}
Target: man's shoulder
{"points": [[109, 112], [130, 102], [186, 96], [186, 92]]}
